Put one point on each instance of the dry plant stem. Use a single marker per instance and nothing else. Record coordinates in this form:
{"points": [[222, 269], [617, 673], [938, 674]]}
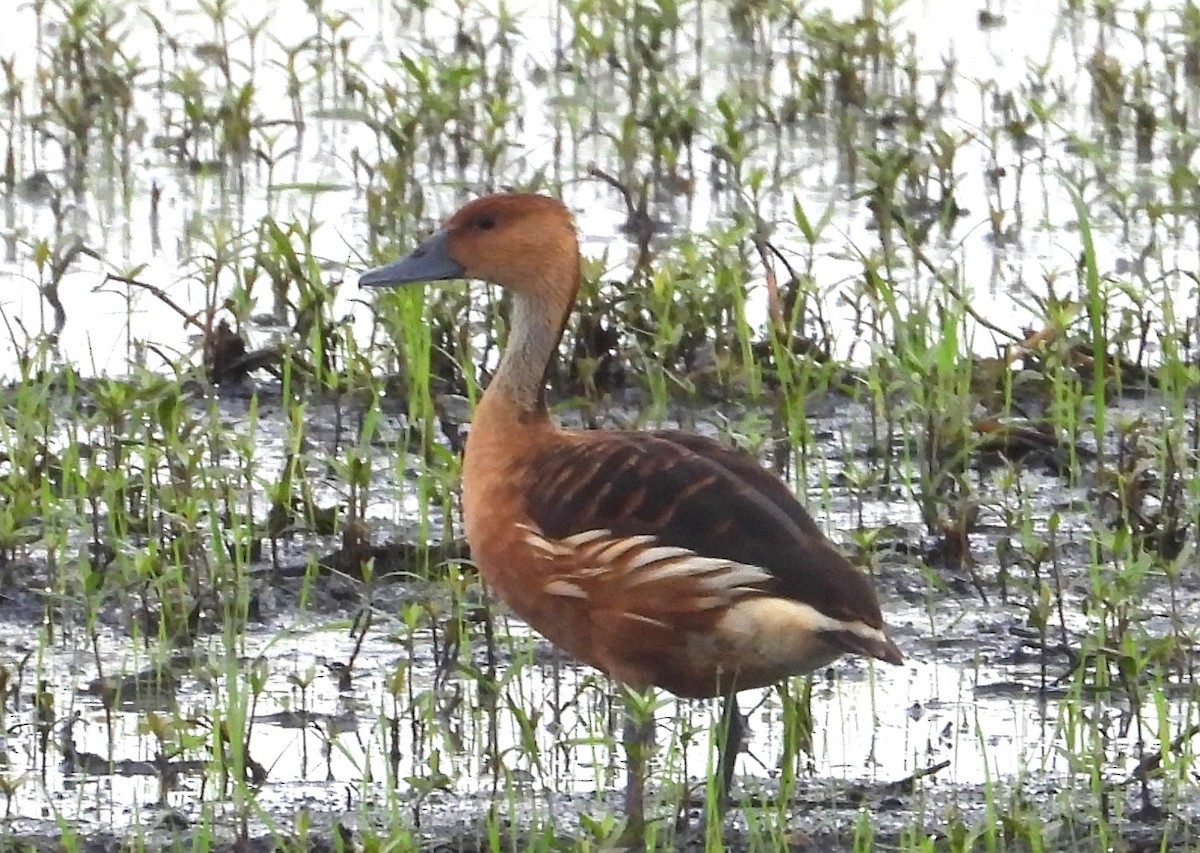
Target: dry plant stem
{"points": [[189, 318]]}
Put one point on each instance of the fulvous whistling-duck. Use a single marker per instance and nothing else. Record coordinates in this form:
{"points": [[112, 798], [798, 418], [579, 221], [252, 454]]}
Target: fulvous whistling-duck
{"points": [[661, 558]]}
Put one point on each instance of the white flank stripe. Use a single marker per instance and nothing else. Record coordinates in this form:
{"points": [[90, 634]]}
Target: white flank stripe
{"points": [[584, 538], [736, 575], [657, 554], [565, 588], [549, 549], [681, 568], [637, 617], [618, 548]]}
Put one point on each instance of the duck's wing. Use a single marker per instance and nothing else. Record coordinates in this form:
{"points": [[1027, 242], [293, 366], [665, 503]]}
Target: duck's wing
{"points": [[747, 468], [677, 526]]}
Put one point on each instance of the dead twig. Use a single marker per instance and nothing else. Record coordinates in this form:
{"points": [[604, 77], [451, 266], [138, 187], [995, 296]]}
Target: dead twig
{"points": [[161, 295], [909, 783]]}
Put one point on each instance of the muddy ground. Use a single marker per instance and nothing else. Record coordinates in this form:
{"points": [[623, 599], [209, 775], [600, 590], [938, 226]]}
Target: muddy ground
{"points": [[942, 613]]}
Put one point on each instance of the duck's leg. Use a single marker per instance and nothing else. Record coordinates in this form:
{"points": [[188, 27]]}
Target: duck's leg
{"points": [[731, 732], [731, 736], [639, 745]]}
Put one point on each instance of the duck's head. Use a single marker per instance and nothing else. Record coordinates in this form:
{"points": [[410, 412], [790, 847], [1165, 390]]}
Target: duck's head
{"points": [[520, 241]]}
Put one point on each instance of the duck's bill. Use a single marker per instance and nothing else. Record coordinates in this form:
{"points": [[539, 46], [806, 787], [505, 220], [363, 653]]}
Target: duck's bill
{"points": [[431, 261]]}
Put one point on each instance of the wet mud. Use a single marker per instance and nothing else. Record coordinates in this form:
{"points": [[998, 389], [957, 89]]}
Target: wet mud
{"points": [[975, 716]]}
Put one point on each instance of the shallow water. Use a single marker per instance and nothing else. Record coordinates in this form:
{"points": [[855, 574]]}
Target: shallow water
{"points": [[966, 695], [872, 725], [108, 322]]}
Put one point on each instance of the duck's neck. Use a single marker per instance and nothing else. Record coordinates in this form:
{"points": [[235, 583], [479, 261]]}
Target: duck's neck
{"points": [[535, 327]]}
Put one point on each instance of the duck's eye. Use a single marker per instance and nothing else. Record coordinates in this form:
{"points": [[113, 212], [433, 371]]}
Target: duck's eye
{"points": [[486, 222]]}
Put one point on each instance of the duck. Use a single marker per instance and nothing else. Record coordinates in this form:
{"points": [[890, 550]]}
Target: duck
{"points": [[661, 558]]}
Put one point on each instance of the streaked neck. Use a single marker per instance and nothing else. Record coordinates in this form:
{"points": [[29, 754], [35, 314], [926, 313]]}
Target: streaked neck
{"points": [[536, 325]]}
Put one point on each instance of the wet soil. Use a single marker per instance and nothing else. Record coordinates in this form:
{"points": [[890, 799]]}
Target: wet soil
{"points": [[972, 651]]}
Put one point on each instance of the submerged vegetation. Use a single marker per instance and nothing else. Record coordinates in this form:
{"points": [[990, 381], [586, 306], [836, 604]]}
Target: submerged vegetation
{"points": [[935, 265]]}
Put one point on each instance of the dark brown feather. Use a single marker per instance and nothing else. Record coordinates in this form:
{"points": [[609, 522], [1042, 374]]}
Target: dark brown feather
{"points": [[748, 469], [692, 493]]}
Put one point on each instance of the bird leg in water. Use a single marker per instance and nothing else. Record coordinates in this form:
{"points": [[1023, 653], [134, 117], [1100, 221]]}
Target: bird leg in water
{"points": [[730, 738], [639, 746]]}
